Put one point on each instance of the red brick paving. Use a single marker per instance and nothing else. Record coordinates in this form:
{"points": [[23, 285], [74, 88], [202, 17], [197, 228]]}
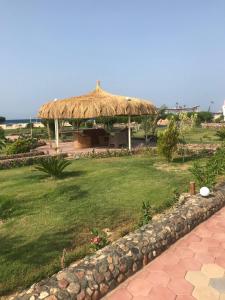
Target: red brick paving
{"points": [[164, 278]]}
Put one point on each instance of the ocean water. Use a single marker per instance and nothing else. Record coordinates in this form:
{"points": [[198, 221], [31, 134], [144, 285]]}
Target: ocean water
{"points": [[18, 121]]}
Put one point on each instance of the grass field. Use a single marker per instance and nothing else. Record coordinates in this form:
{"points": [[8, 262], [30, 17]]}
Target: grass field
{"points": [[202, 135], [42, 216], [196, 135]]}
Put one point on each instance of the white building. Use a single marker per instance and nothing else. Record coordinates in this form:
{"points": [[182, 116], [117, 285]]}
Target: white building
{"points": [[224, 110]]}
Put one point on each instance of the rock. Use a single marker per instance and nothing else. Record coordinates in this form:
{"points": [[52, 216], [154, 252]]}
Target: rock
{"points": [[53, 291], [73, 288], [103, 288], [81, 296], [103, 267], [96, 295], [98, 277], [145, 260], [120, 278], [89, 291], [43, 295], [108, 276], [111, 267], [51, 297], [63, 283], [62, 295], [123, 268], [68, 276], [80, 274], [135, 267]]}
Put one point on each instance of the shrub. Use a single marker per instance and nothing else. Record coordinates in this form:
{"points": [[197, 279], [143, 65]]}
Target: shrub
{"points": [[99, 239], [221, 134], [22, 145], [19, 146], [206, 174], [169, 202], [2, 120], [2, 144], [2, 133], [146, 213], [168, 140], [204, 116], [53, 166], [217, 161]]}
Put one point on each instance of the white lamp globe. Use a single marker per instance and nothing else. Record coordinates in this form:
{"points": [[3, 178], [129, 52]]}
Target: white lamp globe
{"points": [[204, 191]]}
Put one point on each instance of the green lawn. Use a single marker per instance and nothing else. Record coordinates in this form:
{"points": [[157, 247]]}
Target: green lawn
{"points": [[202, 135], [196, 135], [43, 216]]}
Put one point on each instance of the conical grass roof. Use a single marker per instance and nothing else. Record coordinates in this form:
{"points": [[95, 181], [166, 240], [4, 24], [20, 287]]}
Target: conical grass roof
{"points": [[98, 103]]}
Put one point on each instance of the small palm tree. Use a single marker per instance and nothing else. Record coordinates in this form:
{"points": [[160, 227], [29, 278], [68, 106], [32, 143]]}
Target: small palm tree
{"points": [[53, 166]]}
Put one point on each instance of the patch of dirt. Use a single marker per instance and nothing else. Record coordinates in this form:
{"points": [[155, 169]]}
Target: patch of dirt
{"points": [[170, 167]]}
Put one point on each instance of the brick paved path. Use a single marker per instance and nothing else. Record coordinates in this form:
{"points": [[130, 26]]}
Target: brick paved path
{"points": [[193, 268]]}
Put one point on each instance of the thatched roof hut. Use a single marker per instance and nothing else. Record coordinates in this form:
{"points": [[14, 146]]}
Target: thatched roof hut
{"points": [[97, 103]]}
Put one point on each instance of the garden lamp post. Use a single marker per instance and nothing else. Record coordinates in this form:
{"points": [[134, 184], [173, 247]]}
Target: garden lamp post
{"points": [[129, 129], [56, 132]]}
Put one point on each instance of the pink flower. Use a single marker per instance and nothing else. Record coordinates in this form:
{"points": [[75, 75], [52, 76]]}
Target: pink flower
{"points": [[96, 240]]}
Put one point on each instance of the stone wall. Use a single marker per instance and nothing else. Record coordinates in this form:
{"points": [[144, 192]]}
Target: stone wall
{"points": [[94, 276]]}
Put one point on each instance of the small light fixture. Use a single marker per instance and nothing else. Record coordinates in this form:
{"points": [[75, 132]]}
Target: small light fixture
{"points": [[204, 191]]}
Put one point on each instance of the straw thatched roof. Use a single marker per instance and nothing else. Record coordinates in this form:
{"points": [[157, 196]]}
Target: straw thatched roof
{"points": [[98, 103]]}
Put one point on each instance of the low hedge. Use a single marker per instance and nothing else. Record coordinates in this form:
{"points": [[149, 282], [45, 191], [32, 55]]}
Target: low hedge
{"points": [[116, 153]]}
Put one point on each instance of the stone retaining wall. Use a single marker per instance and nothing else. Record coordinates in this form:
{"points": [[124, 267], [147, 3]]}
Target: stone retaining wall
{"points": [[94, 276], [21, 155], [24, 161]]}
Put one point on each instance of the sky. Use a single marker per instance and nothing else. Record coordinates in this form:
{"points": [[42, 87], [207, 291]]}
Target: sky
{"points": [[166, 51]]}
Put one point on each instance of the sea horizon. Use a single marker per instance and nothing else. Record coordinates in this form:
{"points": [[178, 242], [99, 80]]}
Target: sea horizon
{"points": [[19, 121]]}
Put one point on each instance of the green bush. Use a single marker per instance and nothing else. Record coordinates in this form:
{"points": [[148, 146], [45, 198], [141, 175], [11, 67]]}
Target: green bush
{"points": [[53, 166], [22, 145], [204, 116], [2, 133], [2, 120], [19, 146], [221, 134], [206, 174], [217, 161], [2, 144], [146, 213], [99, 239], [168, 140]]}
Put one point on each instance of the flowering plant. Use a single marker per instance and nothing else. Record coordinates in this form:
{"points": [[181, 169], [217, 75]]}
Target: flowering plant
{"points": [[99, 239]]}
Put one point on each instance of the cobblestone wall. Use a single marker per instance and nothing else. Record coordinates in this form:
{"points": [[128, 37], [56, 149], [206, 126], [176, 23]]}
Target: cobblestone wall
{"points": [[95, 276]]}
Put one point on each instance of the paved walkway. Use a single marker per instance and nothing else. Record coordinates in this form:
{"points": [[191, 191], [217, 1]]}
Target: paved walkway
{"points": [[192, 268]]}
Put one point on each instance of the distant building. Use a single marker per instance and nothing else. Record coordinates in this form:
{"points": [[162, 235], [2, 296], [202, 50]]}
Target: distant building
{"points": [[179, 109], [224, 110]]}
